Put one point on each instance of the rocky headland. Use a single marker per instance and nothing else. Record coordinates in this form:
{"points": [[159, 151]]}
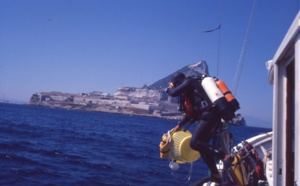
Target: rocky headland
{"points": [[150, 101]]}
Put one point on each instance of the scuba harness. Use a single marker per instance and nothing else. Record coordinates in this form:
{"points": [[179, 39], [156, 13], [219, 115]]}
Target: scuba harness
{"points": [[217, 96]]}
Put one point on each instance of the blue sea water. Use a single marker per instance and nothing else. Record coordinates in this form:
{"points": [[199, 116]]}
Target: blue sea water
{"points": [[47, 146]]}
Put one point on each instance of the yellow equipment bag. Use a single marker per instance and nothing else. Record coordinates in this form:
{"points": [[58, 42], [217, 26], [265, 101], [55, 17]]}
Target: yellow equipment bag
{"points": [[180, 150], [176, 146], [238, 172]]}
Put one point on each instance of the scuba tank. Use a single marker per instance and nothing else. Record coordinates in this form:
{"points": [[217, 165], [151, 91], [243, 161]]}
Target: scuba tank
{"points": [[228, 95], [217, 98]]}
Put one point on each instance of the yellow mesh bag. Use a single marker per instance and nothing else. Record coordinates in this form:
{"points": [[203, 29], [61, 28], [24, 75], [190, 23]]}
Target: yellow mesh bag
{"points": [[180, 150]]}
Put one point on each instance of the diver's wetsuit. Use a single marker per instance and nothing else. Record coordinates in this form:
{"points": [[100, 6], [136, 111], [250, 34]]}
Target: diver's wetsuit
{"points": [[208, 120]]}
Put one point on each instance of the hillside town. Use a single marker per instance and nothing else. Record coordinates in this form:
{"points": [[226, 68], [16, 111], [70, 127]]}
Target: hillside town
{"points": [[150, 101], [133, 101]]}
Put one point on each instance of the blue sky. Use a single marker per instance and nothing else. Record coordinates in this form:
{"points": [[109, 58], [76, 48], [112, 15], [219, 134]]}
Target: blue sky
{"points": [[80, 46]]}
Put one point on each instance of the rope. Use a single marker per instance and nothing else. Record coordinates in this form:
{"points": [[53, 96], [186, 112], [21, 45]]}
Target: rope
{"points": [[169, 139], [187, 178], [245, 45], [219, 39]]}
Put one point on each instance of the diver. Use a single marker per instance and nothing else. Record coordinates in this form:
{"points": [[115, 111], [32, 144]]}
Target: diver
{"points": [[197, 107]]}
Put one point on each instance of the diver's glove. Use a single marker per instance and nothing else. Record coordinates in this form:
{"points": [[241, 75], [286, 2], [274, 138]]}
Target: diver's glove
{"points": [[177, 128], [167, 90]]}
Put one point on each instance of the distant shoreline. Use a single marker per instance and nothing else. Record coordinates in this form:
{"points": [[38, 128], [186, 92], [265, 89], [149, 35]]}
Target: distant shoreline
{"points": [[89, 109]]}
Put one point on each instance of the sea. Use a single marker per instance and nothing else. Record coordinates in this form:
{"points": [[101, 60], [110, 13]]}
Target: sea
{"points": [[51, 146]]}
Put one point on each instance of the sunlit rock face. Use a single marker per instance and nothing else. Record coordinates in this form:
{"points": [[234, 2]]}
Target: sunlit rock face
{"points": [[198, 69]]}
